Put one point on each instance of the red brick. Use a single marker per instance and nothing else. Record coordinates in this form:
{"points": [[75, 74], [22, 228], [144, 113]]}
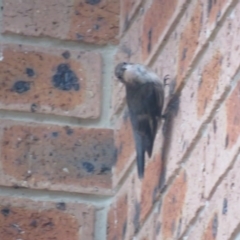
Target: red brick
{"points": [[155, 21], [117, 218], [27, 81], [233, 117], [211, 230], [57, 158], [26, 219], [224, 205], [149, 229], [215, 9], [90, 21], [208, 82], [191, 113], [150, 185], [189, 41], [172, 206], [128, 8]]}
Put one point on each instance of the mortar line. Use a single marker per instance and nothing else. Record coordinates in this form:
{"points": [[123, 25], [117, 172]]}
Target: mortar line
{"points": [[100, 229], [221, 178], [235, 233], [107, 85], [192, 223], [51, 119], [99, 201]]}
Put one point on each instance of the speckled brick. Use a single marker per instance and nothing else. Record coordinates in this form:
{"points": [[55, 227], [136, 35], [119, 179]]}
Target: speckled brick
{"points": [[172, 206], [117, 218], [92, 21], [220, 218], [159, 12], [186, 41], [128, 9], [49, 80], [125, 146], [233, 118], [22, 218], [57, 158], [201, 93], [189, 40], [150, 185]]}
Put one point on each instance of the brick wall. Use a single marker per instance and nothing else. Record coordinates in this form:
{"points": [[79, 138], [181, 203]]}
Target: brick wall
{"points": [[67, 168]]}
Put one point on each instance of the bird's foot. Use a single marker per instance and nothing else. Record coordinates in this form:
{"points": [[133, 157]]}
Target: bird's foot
{"points": [[165, 80]]}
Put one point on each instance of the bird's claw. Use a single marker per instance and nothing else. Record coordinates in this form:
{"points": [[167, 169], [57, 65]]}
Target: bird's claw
{"points": [[165, 80]]}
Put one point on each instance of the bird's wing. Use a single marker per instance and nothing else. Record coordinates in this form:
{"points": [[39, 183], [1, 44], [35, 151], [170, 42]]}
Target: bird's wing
{"points": [[145, 107]]}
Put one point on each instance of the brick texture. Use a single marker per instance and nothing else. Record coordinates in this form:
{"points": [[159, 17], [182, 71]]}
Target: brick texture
{"points": [[65, 181], [90, 21], [26, 219], [55, 81], [59, 158]]}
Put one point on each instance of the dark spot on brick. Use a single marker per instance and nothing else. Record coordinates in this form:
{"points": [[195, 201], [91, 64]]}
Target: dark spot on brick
{"points": [[61, 206], [50, 154], [66, 54], [154, 194], [89, 167], [226, 141], [33, 223], [105, 169], [127, 50], [208, 140], [225, 206], [149, 47], [215, 126], [48, 224], [192, 95], [215, 226], [30, 72], [209, 6], [55, 134], [200, 82], [79, 36], [69, 131], [5, 212], [136, 219], [184, 53], [124, 230], [179, 227], [116, 153], [158, 228], [34, 107], [126, 22], [65, 79], [54, 22], [21, 87], [96, 27], [92, 2]]}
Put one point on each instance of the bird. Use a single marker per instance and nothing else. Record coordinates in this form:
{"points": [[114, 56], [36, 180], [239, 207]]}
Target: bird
{"points": [[145, 101]]}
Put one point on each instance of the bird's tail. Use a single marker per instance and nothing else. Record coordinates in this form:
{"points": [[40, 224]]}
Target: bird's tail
{"points": [[140, 161]]}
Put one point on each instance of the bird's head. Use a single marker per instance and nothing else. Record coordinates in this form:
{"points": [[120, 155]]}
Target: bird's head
{"points": [[119, 71]]}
